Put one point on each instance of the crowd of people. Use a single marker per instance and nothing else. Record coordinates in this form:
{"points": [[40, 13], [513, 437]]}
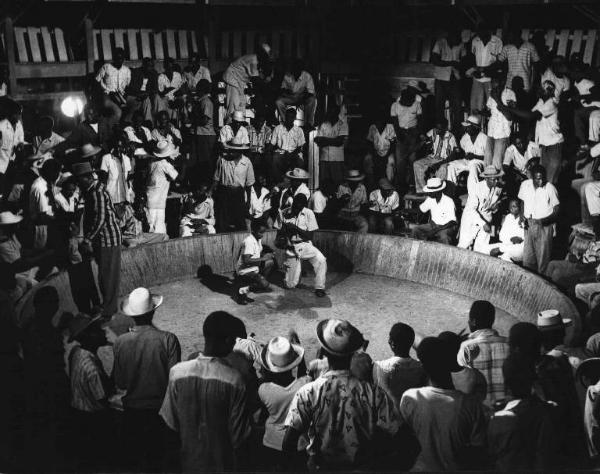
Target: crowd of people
{"points": [[508, 133]]}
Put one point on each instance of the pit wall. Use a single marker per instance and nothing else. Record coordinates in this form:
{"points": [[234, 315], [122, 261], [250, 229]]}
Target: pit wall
{"points": [[477, 276]]}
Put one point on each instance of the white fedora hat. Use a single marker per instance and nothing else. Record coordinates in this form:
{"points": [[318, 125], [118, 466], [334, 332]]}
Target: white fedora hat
{"points": [[354, 175], [140, 302], [472, 120], [8, 218], [236, 143], [491, 171], [164, 149], [298, 173], [280, 355], [434, 185], [339, 337], [88, 150], [551, 319]]}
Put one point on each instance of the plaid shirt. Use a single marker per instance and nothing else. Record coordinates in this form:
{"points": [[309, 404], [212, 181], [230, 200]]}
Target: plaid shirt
{"points": [[100, 223], [486, 351], [258, 139]]}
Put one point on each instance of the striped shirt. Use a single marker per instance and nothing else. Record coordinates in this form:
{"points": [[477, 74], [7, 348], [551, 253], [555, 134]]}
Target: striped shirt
{"points": [[234, 173], [100, 223], [442, 146], [258, 140], [112, 79], [486, 351], [88, 380], [520, 62]]}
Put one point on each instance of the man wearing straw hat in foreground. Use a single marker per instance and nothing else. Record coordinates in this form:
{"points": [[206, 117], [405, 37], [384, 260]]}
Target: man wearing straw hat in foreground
{"points": [[352, 194], [341, 414], [442, 224], [143, 358]]}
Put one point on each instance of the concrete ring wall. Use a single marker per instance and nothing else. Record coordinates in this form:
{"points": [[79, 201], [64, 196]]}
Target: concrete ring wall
{"points": [[509, 287]]}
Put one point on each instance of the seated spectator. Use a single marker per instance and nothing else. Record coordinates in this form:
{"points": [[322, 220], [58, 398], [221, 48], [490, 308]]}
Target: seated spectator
{"points": [[260, 201], [443, 147], [196, 72], [114, 78], [406, 114], [287, 141], [260, 136], [236, 130], [298, 179], [199, 217], [574, 269], [170, 82], [587, 374], [139, 136], [352, 195], [94, 129], [449, 425], [141, 91], [383, 203], [165, 130], [512, 233], [379, 161], [324, 204], [331, 139], [46, 139], [279, 359], [474, 145], [400, 372], [298, 88], [518, 158], [442, 220]]}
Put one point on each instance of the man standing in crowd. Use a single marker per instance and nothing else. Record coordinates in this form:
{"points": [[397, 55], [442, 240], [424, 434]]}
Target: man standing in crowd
{"points": [[287, 141], [540, 208], [298, 88], [101, 235], [442, 221], [204, 136], [485, 47], [331, 139], [521, 56], [142, 89], [12, 140], [114, 78], [143, 358], [474, 145]]}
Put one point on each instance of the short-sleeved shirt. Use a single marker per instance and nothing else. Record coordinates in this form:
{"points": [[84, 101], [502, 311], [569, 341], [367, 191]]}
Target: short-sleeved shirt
{"points": [[381, 141], [407, 116], [441, 145], [118, 168], [241, 136], [340, 414], [442, 212], [205, 108], [384, 205], [358, 197], [287, 140], [250, 246], [498, 125], [205, 402], [45, 145], [303, 84], [332, 153], [234, 173], [478, 147], [561, 84], [39, 199], [159, 177], [112, 79], [170, 136], [512, 156], [10, 250], [397, 374], [88, 381], [10, 137], [241, 71], [486, 54], [132, 136], [520, 62], [259, 202], [444, 421], [287, 195], [259, 138], [547, 129], [305, 220], [447, 53], [538, 202], [175, 82]]}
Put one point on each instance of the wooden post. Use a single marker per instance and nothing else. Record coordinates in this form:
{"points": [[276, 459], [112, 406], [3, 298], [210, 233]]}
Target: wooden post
{"points": [[211, 31], [89, 44], [9, 39]]}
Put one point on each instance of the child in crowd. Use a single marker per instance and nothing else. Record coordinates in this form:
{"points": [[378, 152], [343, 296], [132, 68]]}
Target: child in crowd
{"points": [[260, 201], [512, 233], [199, 215]]}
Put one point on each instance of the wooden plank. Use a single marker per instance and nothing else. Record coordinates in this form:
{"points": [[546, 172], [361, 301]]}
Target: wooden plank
{"points": [[576, 44], [194, 42], [590, 43], [426, 50], [47, 42], [9, 37], [158, 46], [550, 37], [225, 45], [237, 44], [563, 39], [44, 70], [106, 45], [61, 46], [145, 37], [90, 44], [133, 47], [119, 38], [171, 47], [96, 50], [183, 43], [21, 47], [34, 44]]}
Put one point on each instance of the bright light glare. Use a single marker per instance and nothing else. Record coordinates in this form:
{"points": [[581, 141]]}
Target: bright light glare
{"points": [[72, 106]]}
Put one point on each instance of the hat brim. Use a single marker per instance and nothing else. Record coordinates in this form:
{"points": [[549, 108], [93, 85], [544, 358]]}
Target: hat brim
{"points": [[434, 190], [565, 323], [267, 364], [236, 148], [19, 219], [157, 300], [166, 154], [290, 175], [495, 175], [466, 124], [360, 177], [350, 350], [83, 328], [94, 152]]}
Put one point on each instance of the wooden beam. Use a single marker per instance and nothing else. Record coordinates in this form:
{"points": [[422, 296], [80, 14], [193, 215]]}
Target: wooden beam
{"points": [[9, 39], [88, 27], [40, 70]]}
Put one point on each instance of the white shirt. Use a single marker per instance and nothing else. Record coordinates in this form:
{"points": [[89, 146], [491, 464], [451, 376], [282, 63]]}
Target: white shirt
{"points": [[287, 140], [194, 79], [478, 147], [498, 125], [332, 153], [547, 129], [112, 79], [226, 134], [164, 83], [406, 116], [158, 136], [513, 156], [258, 204], [485, 55], [538, 202], [157, 189], [9, 139], [482, 198], [118, 170], [302, 84], [385, 206], [39, 203], [562, 84], [584, 86], [287, 198], [447, 53], [41, 146], [305, 220], [442, 146], [132, 137], [252, 247], [511, 227], [382, 141], [441, 212], [318, 202]]}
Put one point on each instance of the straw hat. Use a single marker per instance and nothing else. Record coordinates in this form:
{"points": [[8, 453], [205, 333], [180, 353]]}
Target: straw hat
{"points": [[298, 173], [414, 84], [280, 355], [491, 171], [551, 319], [473, 120], [79, 324], [434, 185], [339, 337], [8, 218], [239, 116], [236, 144], [140, 302], [81, 169], [164, 149], [354, 175], [88, 150], [385, 185]]}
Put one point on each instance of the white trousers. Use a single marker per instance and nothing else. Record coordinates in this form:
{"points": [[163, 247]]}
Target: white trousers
{"points": [[510, 252], [293, 264], [472, 233], [456, 167], [594, 131], [591, 192], [156, 221]]}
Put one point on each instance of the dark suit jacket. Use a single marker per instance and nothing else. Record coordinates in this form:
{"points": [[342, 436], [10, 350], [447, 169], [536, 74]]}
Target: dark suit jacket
{"points": [[137, 78]]}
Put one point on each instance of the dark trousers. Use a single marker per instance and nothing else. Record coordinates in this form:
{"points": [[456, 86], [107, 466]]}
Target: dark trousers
{"points": [[202, 164], [331, 171], [93, 438], [551, 160], [581, 117], [538, 247], [144, 440], [406, 148], [449, 91], [230, 212], [436, 233], [83, 286], [109, 277]]}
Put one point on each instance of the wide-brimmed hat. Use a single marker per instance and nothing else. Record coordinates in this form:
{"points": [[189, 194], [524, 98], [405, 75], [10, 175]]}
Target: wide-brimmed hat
{"points": [[80, 323], [472, 120], [385, 185], [491, 171], [239, 116], [36, 160], [280, 355], [589, 369], [81, 169], [236, 144], [164, 149], [414, 84], [551, 319], [354, 175], [298, 173], [8, 218], [339, 337], [88, 150], [434, 185], [140, 302]]}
